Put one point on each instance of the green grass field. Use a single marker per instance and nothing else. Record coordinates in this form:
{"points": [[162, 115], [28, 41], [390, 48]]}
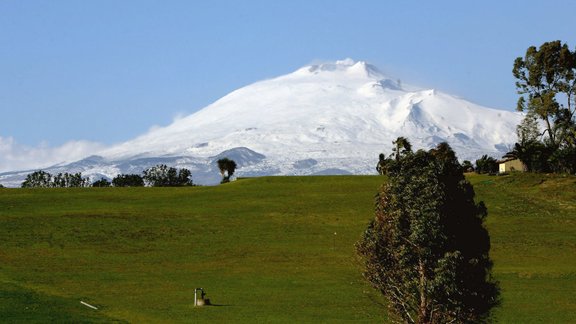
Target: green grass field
{"points": [[532, 225], [274, 249]]}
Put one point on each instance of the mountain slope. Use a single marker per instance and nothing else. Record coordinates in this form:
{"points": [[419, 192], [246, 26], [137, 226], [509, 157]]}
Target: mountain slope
{"points": [[335, 116]]}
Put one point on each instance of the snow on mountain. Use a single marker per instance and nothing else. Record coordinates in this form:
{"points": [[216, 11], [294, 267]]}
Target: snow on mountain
{"points": [[330, 118]]}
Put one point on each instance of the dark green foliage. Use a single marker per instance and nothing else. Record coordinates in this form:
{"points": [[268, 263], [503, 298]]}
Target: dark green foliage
{"points": [[69, 180], [486, 164], [103, 182], [38, 179], [42, 179], [528, 130], [534, 154], [529, 149], [128, 180], [163, 176], [184, 177], [563, 160], [426, 250], [401, 148], [467, 166], [382, 163], [540, 156], [227, 168]]}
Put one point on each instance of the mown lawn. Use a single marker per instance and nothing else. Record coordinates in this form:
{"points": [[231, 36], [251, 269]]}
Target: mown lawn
{"points": [[274, 249]]}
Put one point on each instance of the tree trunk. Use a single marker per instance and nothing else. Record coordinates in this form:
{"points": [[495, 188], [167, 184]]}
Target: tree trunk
{"points": [[423, 315]]}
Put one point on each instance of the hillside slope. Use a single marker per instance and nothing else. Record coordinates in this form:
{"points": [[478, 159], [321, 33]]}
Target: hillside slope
{"points": [[272, 249]]}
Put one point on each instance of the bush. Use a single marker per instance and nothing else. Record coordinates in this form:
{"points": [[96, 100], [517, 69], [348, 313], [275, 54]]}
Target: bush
{"points": [[42, 179], [164, 176], [128, 180], [486, 164], [103, 182]]}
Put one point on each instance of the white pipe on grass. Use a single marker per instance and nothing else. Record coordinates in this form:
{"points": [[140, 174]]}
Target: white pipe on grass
{"points": [[88, 305]]}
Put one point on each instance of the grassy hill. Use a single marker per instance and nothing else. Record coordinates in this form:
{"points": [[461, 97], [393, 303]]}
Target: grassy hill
{"points": [[532, 225], [275, 249]]}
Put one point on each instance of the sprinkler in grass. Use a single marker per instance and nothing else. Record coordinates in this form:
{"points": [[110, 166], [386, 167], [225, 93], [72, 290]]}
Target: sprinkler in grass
{"points": [[200, 300]]}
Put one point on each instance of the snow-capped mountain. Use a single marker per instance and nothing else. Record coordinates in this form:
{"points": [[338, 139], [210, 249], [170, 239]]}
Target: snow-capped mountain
{"points": [[332, 118]]}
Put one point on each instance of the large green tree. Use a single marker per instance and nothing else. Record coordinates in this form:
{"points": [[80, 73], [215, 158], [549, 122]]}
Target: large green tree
{"points": [[163, 176], [70, 180], [426, 250], [546, 82], [38, 179]]}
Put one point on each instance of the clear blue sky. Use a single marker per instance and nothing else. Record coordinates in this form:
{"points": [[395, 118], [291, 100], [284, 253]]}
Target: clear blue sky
{"points": [[108, 70]]}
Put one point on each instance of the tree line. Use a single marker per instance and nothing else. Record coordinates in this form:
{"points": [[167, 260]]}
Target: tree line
{"points": [[42, 179], [160, 175], [157, 176]]}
